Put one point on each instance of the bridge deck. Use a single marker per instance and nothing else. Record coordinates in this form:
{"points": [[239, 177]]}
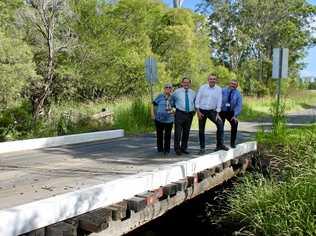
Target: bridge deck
{"points": [[37, 174], [44, 186]]}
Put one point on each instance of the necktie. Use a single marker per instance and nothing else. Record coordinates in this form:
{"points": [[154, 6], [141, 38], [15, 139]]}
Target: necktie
{"points": [[187, 103], [230, 98]]}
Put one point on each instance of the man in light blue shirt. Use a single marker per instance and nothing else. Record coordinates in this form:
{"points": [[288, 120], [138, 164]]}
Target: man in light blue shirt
{"points": [[231, 108], [183, 99]]}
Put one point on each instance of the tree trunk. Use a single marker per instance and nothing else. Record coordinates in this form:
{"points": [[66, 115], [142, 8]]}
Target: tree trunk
{"points": [[39, 103]]}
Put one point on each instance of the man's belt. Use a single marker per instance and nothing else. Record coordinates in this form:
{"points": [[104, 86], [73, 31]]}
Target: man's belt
{"points": [[190, 112]]}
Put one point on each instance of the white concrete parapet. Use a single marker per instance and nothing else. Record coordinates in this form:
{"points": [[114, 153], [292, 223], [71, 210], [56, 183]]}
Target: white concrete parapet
{"points": [[34, 215], [29, 144]]}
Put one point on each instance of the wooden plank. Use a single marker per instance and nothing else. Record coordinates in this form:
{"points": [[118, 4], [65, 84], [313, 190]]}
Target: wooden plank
{"points": [[235, 161], [170, 189], [204, 174], [61, 229], [158, 192], [37, 232], [150, 197], [119, 210], [226, 164], [219, 168], [192, 180], [136, 204], [95, 221], [181, 184]]}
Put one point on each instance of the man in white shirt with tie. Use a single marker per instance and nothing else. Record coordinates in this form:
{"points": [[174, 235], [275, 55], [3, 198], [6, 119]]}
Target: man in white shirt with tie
{"points": [[208, 104], [183, 100]]}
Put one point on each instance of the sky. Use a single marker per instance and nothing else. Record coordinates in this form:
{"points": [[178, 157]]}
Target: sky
{"points": [[309, 60]]}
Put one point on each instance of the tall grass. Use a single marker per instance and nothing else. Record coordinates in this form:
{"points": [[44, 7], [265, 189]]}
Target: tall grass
{"points": [[134, 117], [284, 204]]}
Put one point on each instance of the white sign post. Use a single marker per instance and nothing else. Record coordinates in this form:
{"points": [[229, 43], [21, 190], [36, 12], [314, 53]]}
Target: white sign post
{"points": [[151, 73], [280, 60]]}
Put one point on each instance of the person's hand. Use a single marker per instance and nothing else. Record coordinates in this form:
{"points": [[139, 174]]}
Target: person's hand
{"points": [[234, 119], [152, 116], [200, 115], [218, 117]]}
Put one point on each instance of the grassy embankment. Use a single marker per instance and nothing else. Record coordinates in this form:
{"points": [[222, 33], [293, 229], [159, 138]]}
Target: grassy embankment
{"points": [[282, 202], [131, 115]]}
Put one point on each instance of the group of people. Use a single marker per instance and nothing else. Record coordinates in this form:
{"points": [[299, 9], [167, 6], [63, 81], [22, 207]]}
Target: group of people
{"points": [[179, 107]]}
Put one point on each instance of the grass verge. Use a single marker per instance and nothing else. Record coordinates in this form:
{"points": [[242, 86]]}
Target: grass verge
{"points": [[285, 202]]}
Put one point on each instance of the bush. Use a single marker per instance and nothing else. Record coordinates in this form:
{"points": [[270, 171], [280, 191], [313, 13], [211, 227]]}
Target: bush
{"points": [[16, 122]]}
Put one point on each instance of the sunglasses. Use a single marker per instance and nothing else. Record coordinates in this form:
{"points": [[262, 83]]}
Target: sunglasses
{"points": [[168, 87]]}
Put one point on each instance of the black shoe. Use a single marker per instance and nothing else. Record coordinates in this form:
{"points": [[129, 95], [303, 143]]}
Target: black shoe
{"points": [[178, 153], [201, 151], [233, 145], [159, 150], [221, 147], [185, 151]]}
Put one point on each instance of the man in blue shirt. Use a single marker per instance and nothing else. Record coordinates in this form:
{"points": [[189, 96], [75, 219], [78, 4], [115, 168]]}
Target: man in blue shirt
{"points": [[183, 99], [231, 108]]}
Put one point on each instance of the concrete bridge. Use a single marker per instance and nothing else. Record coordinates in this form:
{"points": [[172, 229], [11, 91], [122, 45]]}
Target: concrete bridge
{"points": [[103, 183]]}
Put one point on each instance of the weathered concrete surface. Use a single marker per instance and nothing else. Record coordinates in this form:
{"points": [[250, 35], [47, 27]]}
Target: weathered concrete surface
{"points": [[38, 174]]}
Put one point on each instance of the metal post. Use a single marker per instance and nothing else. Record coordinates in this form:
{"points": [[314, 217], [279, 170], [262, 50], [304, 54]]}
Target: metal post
{"points": [[151, 92]]}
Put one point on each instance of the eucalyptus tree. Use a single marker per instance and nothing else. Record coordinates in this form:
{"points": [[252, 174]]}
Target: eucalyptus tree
{"points": [[47, 25], [243, 33]]}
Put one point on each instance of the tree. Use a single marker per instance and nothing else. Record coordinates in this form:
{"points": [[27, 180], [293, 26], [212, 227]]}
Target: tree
{"points": [[17, 68], [16, 65], [115, 40], [181, 43], [47, 23], [247, 30]]}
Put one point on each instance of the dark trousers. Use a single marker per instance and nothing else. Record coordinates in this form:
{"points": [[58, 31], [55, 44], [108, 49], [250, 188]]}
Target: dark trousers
{"points": [[183, 121], [211, 115], [227, 115], [163, 131]]}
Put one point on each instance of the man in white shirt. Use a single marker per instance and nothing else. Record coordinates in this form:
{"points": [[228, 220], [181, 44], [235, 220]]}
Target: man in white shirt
{"points": [[208, 104]]}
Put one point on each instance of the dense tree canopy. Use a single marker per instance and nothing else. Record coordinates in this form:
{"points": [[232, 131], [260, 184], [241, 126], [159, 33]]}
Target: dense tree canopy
{"points": [[53, 51]]}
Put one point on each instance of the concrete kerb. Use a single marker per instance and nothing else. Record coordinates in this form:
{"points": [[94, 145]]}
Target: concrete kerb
{"points": [[27, 217], [30, 144]]}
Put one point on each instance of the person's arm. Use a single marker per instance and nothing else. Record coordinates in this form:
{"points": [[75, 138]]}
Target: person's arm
{"points": [[219, 103], [197, 103], [154, 107], [152, 111], [173, 99], [238, 106], [219, 100]]}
